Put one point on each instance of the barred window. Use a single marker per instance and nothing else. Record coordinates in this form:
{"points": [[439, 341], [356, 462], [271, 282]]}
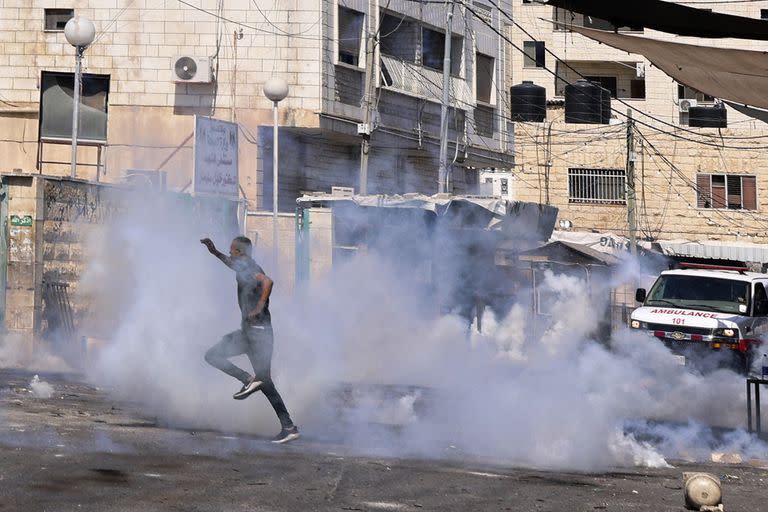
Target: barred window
{"points": [[599, 186], [731, 191]]}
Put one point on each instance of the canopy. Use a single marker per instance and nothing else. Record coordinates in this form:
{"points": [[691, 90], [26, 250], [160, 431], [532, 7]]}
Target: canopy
{"points": [[669, 17], [737, 75]]}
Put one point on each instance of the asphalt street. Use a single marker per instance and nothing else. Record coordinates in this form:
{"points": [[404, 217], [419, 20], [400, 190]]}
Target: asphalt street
{"points": [[78, 450]]}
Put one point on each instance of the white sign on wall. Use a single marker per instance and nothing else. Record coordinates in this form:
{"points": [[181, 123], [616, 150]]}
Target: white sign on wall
{"points": [[216, 164]]}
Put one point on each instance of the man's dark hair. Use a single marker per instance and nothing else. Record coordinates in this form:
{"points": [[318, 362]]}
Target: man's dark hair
{"points": [[244, 244]]}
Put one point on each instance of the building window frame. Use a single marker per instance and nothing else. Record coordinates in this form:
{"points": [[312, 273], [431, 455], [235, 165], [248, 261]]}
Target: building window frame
{"points": [[350, 53], [433, 50], [597, 186], [485, 78], [54, 19], [721, 191], [534, 54]]}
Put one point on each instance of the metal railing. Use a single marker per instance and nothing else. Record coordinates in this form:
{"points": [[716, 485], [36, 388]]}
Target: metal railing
{"points": [[604, 186]]}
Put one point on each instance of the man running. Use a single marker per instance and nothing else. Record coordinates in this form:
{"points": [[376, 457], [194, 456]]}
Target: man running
{"points": [[255, 335]]}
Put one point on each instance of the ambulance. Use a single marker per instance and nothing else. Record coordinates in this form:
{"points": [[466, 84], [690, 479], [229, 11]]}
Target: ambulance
{"points": [[709, 316]]}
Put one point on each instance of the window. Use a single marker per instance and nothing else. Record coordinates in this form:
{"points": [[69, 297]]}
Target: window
{"points": [[350, 36], [734, 192], [433, 50], [637, 89], [484, 74], [606, 82], [764, 14], [600, 186], [56, 19], [398, 37], [534, 54], [688, 93], [504, 186]]}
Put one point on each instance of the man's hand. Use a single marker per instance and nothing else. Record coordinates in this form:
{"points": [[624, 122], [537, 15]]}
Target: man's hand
{"points": [[207, 242]]}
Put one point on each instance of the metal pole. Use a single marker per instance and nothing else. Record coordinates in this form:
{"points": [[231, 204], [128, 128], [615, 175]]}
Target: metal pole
{"points": [[275, 176], [365, 132], [631, 157], [76, 106], [442, 173]]}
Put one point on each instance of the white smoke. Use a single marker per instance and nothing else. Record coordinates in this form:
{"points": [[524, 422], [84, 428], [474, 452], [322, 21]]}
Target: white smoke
{"points": [[542, 395], [40, 388], [17, 351]]}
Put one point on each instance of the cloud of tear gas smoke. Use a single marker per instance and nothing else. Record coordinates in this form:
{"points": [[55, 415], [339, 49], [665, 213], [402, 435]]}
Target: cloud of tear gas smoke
{"points": [[18, 352], [368, 340]]}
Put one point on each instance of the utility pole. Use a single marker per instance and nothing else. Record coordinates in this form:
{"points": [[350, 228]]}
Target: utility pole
{"points": [[443, 171], [365, 129], [631, 158]]}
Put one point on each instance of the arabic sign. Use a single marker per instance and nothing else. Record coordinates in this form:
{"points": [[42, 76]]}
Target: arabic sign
{"points": [[216, 164], [21, 220]]}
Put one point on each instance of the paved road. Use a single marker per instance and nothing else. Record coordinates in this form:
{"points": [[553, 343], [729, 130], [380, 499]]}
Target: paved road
{"points": [[79, 451]]}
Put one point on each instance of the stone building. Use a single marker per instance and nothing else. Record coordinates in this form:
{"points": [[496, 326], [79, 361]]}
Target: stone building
{"points": [[697, 184], [318, 47]]}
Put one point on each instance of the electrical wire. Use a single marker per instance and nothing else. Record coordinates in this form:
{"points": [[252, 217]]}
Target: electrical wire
{"points": [[557, 76]]}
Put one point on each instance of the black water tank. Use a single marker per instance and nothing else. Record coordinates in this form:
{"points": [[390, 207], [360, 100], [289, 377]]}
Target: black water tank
{"points": [[587, 103], [708, 117], [605, 113], [528, 102]]}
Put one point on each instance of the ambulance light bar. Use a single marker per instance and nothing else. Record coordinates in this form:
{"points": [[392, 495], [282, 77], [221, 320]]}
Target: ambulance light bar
{"points": [[703, 266]]}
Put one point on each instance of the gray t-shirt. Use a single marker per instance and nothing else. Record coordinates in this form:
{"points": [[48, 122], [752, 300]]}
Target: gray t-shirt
{"points": [[249, 290]]}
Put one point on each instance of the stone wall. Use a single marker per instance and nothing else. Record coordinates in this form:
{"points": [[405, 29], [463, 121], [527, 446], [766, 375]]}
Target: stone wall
{"points": [[23, 273], [50, 223], [667, 160], [665, 182]]}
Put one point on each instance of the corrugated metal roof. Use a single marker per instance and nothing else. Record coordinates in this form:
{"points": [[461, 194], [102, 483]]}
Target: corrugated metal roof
{"points": [[737, 251]]}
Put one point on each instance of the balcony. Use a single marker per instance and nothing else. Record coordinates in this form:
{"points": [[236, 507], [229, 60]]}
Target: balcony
{"points": [[413, 79]]}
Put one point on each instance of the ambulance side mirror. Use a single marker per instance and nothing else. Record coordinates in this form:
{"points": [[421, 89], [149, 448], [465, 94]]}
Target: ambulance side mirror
{"points": [[640, 295]]}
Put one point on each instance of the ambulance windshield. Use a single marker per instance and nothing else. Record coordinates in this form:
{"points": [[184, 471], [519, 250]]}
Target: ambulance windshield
{"points": [[701, 293]]}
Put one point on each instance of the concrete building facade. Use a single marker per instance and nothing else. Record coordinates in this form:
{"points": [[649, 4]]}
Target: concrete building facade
{"points": [[319, 47], [704, 184]]}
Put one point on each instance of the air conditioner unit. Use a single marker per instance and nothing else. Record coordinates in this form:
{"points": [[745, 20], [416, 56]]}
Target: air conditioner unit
{"points": [[192, 69], [685, 105]]}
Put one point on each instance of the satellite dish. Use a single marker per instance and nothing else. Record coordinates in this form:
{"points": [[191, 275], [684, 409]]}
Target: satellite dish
{"points": [[185, 68]]}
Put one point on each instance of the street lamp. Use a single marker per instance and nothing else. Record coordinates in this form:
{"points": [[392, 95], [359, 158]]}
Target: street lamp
{"points": [[276, 89], [80, 33]]}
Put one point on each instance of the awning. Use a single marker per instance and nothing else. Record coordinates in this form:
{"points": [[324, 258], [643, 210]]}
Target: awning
{"points": [[569, 253], [737, 75], [607, 243], [735, 251], [669, 17], [618, 245], [756, 113]]}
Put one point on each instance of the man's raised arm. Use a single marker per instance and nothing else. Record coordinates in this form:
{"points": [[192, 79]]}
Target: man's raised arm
{"points": [[212, 249]]}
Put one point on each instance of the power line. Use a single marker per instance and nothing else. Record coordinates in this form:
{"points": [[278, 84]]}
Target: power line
{"points": [[556, 75]]}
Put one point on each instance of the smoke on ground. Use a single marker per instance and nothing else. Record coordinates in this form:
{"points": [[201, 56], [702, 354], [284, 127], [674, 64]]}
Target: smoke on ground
{"points": [[40, 388], [368, 339]]}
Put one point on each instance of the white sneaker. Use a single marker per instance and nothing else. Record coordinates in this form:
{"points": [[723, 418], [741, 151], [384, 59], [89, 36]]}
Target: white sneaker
{"points": [[248, 389]]}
